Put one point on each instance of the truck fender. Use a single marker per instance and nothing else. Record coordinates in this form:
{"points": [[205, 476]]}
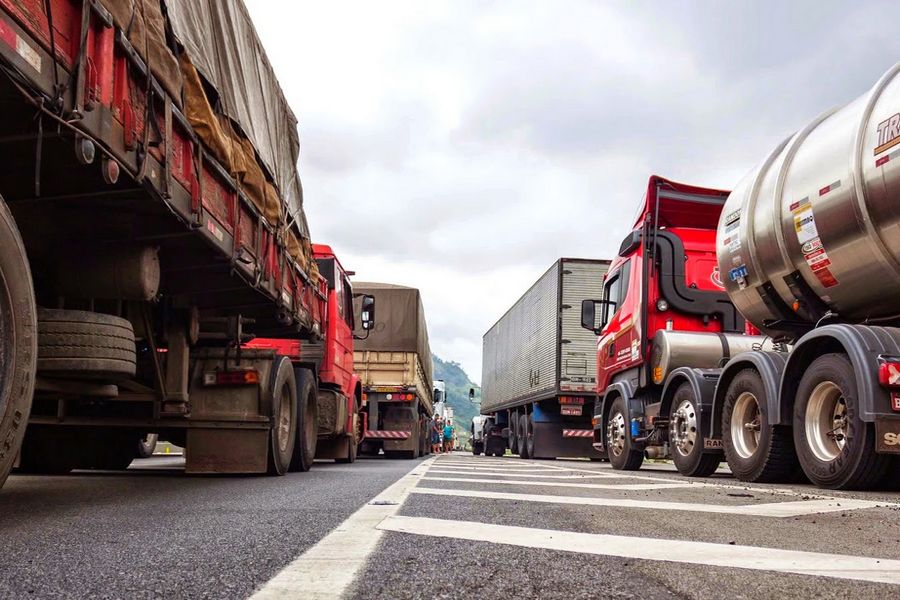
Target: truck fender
{"points": [[770, 366], [703, 382], [862, 344], [620, 388]]}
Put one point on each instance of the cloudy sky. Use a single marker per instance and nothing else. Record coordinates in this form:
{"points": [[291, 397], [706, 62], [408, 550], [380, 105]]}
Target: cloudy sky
{"points": [[461, 147]]}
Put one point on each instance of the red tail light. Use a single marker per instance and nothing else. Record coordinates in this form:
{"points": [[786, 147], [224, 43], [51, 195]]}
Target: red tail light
{"points": [[234, 377], [889, 371]]}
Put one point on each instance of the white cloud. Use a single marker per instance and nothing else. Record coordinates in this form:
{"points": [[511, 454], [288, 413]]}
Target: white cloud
{"points": [[462, 146]]}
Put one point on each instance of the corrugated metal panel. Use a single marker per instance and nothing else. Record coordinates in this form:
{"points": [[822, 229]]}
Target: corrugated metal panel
{"points": [[520, 350], [581, 280], [524, 357]]}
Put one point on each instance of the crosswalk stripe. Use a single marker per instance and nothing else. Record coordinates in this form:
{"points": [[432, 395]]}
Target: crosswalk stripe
{"points": [[328, 569], [551, 475], [770, 509], [593, 486], [837, 566]]}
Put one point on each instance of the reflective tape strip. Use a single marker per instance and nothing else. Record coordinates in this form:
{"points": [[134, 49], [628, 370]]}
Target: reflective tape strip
{"points": [[578, 432], [388, 435]]}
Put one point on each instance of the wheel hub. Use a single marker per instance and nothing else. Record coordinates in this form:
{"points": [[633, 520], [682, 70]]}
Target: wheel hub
{"points": [[615, 434], [826, 423], [284, 420], [746, 425], [684, 428]]}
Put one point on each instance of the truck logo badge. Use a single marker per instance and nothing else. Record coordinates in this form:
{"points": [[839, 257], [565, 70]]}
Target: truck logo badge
{"points": [[888, 133], [534, 378], [716, 278]]}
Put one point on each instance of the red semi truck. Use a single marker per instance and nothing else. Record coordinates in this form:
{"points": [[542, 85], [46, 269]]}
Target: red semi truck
{"points": [[151, 224], [331, 424], [760, 326]]}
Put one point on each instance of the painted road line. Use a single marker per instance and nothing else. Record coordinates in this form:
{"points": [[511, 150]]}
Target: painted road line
{"points": [[770, 509], [506, 465], [744, 487], [550, 475], [593, 486], [327, 569], [838, 566]]}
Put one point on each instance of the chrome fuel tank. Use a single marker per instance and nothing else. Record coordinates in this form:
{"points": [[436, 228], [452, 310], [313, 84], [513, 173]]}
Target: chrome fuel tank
{"points": [[815, 228], [700, 350]]}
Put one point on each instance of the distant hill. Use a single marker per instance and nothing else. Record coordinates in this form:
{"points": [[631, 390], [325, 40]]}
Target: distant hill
{"points": [[458, 384]]}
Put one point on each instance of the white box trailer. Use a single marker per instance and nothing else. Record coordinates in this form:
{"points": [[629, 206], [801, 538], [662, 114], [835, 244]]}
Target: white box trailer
{"points": [[539, 366]]}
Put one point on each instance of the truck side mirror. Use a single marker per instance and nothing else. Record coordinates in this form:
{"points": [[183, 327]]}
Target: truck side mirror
{"points": [[367, 318], [589, 314], [471, 394]]}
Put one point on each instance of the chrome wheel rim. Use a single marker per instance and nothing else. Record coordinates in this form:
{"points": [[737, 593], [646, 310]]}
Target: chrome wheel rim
{"points": [[284, 420], [826, 421], [615, 434], [684, 428], [746, 424]]}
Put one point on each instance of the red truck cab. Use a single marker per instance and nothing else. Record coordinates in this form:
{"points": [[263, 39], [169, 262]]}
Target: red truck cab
{"points": [[333, 424], [664, 280]]}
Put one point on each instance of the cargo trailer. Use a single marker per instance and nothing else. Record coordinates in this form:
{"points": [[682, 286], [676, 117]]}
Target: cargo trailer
{"points": [[394, 364], [539, 368]]}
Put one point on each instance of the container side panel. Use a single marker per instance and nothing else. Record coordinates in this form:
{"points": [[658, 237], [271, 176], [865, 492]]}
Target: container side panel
{"points": [[520, 350], [581, 280]]}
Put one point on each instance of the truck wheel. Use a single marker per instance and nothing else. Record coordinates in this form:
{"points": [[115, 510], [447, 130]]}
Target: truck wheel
{"points": [[109, 450], [529, 436], [523, 436], [755, 450], [618, 440], [835, 447], [513, 434], [18, 341], [146, 445], [85, 345], [283, 431], [307, 422], [686, 438], [47, 451], [476, 449]]}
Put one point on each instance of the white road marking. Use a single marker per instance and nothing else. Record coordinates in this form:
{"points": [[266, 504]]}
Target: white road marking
{"points": [[495, 465], [327, 569], [593, 486], [769, 509], [697, 553], [550, 475]]}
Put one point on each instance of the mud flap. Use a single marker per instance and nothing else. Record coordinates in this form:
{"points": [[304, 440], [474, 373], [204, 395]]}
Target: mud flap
{"points": [[227, 451]]}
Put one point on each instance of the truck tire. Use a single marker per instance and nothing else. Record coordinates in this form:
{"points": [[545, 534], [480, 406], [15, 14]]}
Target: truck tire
{"points": [[622, 456], [755, 450], [146, 445], [513, 434], [476, 449], [686, 438], [529, 436], [18, 341], [47, 451], [307, 422], [283, 431], [106, 450], [85, 345], [835, 447], [523, 436]]}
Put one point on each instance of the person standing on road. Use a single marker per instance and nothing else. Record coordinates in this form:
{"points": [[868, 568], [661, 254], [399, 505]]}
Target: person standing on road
{"points": [[437, 432], [448, 437]]}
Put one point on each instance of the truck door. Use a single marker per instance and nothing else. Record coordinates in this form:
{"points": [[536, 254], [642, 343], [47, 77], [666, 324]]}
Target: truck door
{"points": [[343, 339], [619, 344]]}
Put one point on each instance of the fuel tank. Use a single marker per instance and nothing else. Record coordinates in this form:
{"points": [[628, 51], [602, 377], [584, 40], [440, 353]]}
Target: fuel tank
{"points": [[814, 230], [700, 350]]}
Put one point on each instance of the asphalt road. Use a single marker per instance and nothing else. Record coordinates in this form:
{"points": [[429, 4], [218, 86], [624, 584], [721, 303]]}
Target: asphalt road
{"points": [[448, 527], [153, 532]]}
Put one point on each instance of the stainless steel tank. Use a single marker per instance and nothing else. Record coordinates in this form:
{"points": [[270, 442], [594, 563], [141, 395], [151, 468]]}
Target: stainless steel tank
{"points": [[815, 228], [673, 349]]}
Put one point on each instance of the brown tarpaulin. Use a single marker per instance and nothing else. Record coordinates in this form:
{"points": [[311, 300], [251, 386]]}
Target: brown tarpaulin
{"points": [[143, 22], [399, 323]]}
